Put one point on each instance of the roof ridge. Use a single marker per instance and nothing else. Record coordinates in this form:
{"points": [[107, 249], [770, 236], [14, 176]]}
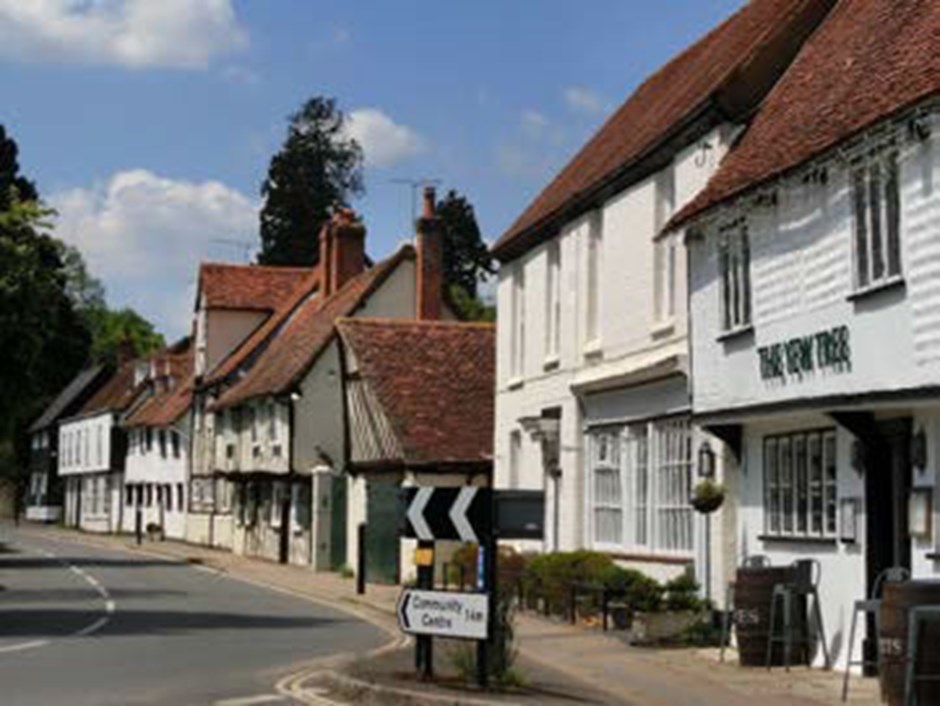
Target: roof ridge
{"points": [[385, 321]]}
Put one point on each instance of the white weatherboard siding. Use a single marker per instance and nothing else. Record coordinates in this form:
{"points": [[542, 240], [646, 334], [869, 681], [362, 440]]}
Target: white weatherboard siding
{"points": [[802, 277], [92, 488], [631, 346], [801, 272], [154, 468]]}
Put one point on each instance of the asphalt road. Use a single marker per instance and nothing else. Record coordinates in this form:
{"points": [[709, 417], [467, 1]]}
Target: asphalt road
{"points": [[82, 625]]}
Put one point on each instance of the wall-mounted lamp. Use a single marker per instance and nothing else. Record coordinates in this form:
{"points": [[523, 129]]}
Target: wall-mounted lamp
{"points": [[702, 157], [706, 461], [919, 450], [919, 128]]}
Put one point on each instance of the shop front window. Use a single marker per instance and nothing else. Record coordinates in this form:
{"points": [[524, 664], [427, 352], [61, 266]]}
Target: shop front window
{"points": [[800, 497]]}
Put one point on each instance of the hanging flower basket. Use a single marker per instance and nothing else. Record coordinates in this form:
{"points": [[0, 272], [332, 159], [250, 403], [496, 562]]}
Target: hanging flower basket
{"points": [[707, 496]]}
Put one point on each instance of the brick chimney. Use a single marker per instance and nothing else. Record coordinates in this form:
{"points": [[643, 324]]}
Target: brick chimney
{"points": [[430, 246], [348, 248], [125, 350], [326, 248]]}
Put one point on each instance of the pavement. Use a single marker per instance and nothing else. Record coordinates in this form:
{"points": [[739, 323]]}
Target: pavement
{"points": [[562, 663]]}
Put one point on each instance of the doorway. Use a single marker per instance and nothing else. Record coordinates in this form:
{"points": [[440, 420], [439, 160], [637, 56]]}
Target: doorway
{"points": [[887, 470]]}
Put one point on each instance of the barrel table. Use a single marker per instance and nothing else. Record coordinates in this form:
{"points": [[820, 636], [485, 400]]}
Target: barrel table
{"points": [[897, 600], [753, 593]]}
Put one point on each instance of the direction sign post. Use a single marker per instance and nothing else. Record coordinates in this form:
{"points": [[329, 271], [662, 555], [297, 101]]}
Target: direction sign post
{"points": [[467, 514], [444, 613]]}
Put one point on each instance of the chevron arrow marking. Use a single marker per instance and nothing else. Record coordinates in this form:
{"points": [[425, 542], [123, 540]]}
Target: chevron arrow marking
{"points": [[416, 513], [458, 514]]}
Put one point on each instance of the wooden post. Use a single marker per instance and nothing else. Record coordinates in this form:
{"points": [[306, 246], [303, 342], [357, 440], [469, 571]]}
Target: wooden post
{"points": [[139, 523], [361, 562], [424, 644]]}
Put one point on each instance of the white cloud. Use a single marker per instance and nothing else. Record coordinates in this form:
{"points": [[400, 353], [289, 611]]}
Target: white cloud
{"points": [[240, 74], [583, 100], [131, 33], [384, 142], [143, 235], [533, 123]]}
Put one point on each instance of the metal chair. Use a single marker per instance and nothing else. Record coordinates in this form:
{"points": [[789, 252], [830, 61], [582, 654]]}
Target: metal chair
{"points": [[803, 584], [871, 606], [727, 617], [916, 616]]}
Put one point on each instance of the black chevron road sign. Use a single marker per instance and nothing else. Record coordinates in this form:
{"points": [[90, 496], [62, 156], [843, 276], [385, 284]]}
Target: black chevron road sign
{"points": [[463, 513]]}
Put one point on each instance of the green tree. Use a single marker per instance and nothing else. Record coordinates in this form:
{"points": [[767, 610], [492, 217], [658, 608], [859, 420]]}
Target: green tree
{"points": [[467, 260], [43, 339], [110, 329], [318, 168]]}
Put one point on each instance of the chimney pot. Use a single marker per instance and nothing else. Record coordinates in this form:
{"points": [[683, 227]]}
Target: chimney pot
{"points": [[429, 203]]}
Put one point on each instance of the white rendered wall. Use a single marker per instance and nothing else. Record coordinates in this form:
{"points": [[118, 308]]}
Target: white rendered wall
{"points": [[629, 337]]}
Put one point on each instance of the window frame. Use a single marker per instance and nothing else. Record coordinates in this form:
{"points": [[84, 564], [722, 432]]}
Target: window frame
{"points": [[876, 177], [813, 512], [734, 277], [605, 454], [655, 468], [552, 301], [593, 257]]}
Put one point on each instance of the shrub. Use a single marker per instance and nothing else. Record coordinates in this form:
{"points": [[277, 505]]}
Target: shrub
{"points": [[682, 594], [510, 567]]}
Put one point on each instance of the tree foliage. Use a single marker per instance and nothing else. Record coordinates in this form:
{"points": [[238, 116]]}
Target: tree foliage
{"points": [[113, 328], [53, 316], [318, 168], [43, 339], [467, 260]]}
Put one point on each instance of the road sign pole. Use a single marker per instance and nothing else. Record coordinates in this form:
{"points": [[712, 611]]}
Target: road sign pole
{"points": [[424, 644], [488, 546]]}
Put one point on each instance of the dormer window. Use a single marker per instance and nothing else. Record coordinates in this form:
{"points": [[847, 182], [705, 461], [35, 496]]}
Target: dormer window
{"points": [[877, 214], [734, 263]]}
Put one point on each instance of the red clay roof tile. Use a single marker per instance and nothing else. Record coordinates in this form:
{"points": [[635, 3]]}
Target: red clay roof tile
{"points": [[869, 59], [435, 382], [306, 332], [755, 36], [252, 287]]}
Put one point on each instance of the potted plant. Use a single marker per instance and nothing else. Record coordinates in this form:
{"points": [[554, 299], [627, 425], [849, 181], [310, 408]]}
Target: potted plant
{"points": [[707, 496], [676, 609]]}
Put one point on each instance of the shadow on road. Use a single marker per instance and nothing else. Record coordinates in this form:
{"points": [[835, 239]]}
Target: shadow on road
{"points": [[66, 595], [38, 562], [47, 623]]}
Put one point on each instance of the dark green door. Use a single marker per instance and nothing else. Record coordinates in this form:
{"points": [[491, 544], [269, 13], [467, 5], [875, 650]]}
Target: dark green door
{"points": [[338, 497], [382, 525]]}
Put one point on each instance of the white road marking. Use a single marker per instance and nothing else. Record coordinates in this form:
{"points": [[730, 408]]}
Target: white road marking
{"points": [[24, 646], [251, 700], [109, 607]]}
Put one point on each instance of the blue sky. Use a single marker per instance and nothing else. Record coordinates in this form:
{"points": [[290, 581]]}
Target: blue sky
{"points": [[149, 125]]}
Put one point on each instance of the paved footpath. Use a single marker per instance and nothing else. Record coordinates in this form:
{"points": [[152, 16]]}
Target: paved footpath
{"points": [[645, 677]]}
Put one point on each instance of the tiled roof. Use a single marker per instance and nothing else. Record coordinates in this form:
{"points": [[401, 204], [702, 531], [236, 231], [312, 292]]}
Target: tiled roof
{"points": [[869, 59], [253, 287], [303, 290], [164, 408], [117, 393], [435, 382], [67, 397], [730, 68], [307, 331]]}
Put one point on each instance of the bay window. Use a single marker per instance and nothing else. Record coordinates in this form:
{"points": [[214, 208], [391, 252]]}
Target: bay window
{"points": [[641, 477]]}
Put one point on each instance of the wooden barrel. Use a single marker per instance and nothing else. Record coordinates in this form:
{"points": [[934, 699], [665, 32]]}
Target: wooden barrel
{"points": [[753, 593], [897, 600]]}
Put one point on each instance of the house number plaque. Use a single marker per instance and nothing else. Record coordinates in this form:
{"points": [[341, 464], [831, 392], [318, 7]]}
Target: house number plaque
{"points": [[798, 356]]}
